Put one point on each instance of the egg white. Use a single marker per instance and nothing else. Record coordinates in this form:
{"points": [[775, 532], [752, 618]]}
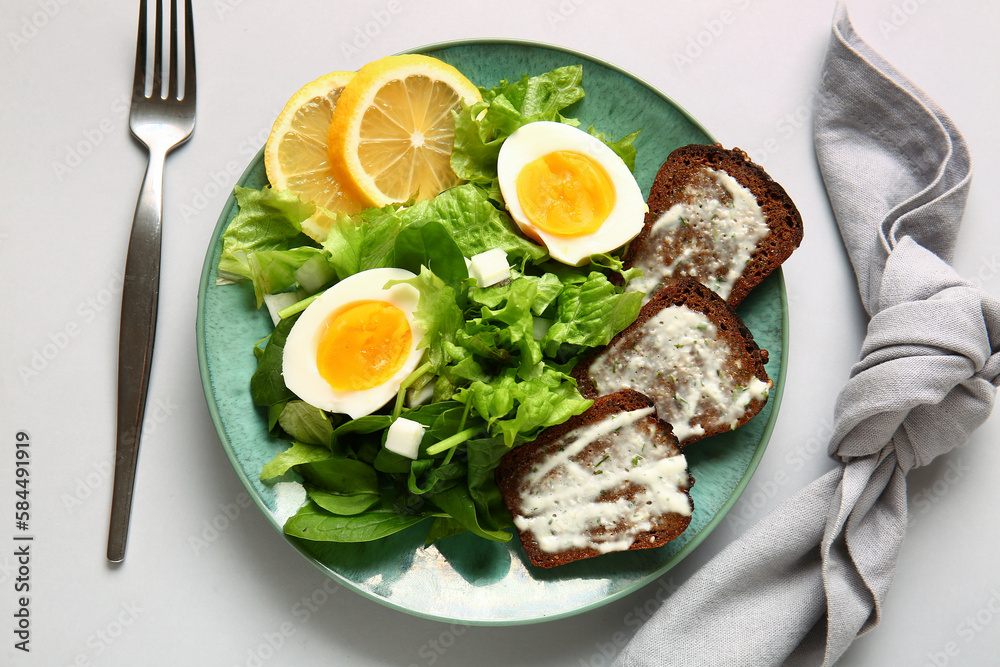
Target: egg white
{"points": [[298, 363], [534, 140]]}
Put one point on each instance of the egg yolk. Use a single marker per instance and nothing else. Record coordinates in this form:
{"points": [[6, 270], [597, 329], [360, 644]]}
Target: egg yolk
{"points": [[365, 343], [565, 193]]}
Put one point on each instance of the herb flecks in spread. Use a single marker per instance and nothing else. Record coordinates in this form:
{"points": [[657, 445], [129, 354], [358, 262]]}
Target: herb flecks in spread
{"points": [[605, 484], [711, 235], [678, 359]]}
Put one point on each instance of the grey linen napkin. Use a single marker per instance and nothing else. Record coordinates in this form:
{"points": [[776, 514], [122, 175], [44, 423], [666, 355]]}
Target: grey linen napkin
{"points": [[802, 583]]}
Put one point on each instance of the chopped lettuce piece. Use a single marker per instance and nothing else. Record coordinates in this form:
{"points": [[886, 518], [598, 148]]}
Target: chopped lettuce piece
{"points": [[268, 220], [590, 313], [475, 224]]}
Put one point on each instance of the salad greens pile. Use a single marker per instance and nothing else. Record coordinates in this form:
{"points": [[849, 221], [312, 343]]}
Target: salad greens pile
{"points": [[496, 358]]}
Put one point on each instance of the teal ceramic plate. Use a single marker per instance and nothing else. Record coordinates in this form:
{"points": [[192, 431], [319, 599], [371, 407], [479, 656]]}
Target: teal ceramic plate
{"points": [[464, 578]]}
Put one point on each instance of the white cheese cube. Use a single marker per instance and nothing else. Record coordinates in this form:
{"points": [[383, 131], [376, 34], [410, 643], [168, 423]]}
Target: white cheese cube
{"points": [[490, 267], [404, 437]]}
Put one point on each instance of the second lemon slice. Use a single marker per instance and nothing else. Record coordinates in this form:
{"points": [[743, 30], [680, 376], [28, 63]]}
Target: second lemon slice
{"points": [[296, 156], [392, 133]]}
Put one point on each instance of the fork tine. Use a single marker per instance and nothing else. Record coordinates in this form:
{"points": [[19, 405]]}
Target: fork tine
{"points": [[190, 88], [139, 81], [158, 52], [172, 70]]}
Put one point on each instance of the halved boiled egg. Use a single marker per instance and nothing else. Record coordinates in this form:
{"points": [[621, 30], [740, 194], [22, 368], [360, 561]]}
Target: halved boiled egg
{"points": [[569, 191], [350, 350]]}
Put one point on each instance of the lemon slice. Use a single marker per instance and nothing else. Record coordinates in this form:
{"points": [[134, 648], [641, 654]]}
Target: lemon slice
{"points": [[392, 133], [296, 156]]}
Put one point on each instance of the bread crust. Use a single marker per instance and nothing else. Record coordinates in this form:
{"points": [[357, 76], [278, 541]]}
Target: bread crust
{"points": [[730, 328], [780, 213], [515, 465]]}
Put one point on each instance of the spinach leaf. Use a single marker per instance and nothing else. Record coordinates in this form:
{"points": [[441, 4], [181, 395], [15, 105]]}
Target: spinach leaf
{"points": [[423, 471], [314, 523], [339, 475], [390, 462], [483, 456], [297, 454], [428, 244], [351, 436], [305, 423], [457, 503], [267, 385], [443, 527], [342, 503]]}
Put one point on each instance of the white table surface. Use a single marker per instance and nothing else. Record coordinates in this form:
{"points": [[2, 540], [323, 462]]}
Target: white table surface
{"points": [[240, 596]]}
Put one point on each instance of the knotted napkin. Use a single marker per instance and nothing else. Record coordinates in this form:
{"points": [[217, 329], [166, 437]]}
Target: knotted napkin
{"points": [[801, 584]]}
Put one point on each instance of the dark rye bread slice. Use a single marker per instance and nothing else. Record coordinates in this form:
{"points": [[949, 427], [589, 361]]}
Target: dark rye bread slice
{"points": [[685, 167], [658, 443], [689, 394]]}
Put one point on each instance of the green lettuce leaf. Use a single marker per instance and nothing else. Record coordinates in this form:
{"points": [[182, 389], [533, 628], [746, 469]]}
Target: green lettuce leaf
{"points": [[475, 224], [363, 242], [590, 313], [517, 409], [437, 313], [267, 220], [623, 148], [273, 271]]}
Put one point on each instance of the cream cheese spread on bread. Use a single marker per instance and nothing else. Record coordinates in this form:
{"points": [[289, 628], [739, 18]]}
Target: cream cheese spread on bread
{"points": [[679, 360], [572, 498], [712, 234]]}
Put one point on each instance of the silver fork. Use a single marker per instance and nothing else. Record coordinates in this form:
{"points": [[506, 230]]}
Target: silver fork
{"points": [[162, 124]]}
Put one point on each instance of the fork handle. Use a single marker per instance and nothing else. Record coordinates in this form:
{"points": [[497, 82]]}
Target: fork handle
{"points": [[135, 345]]}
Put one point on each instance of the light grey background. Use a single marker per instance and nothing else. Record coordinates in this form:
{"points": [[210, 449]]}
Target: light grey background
{"points": [[207, 581]]}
